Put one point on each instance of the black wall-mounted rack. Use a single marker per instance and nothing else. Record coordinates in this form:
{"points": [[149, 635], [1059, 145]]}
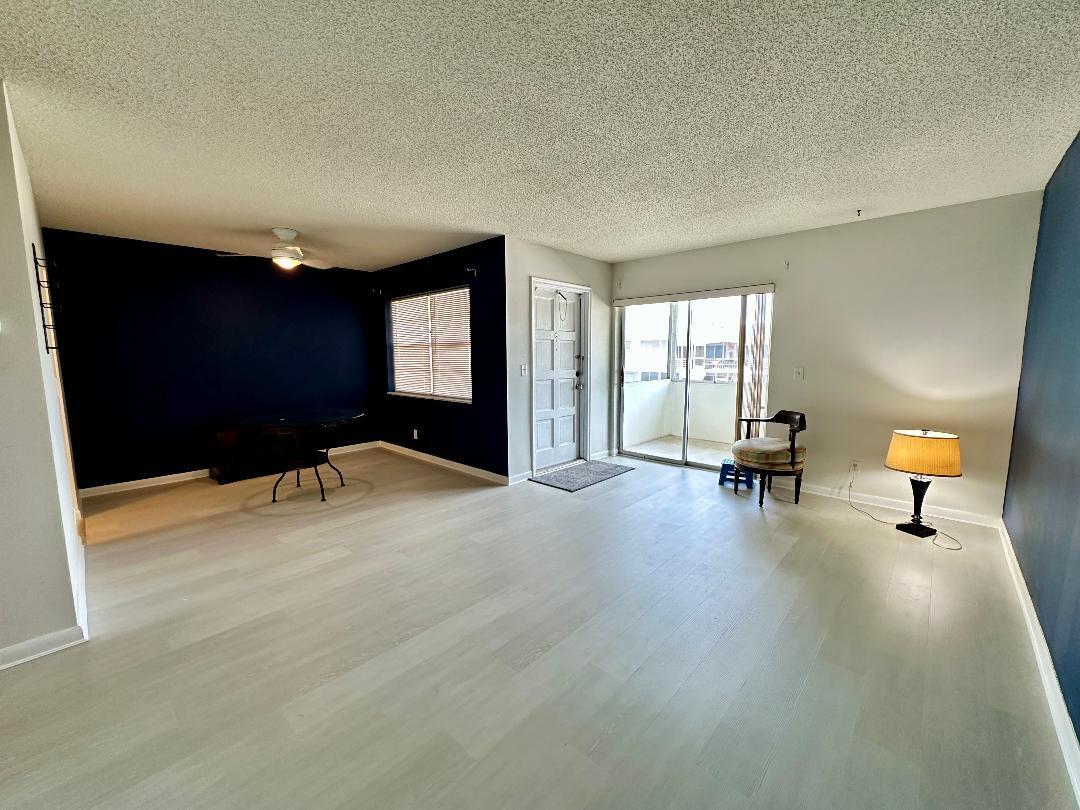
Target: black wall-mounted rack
{"points": [[49, 307]]}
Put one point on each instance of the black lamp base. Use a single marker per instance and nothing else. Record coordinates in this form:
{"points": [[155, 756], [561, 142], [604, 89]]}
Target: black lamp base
{"points": [[916, 526], [917, 529]]}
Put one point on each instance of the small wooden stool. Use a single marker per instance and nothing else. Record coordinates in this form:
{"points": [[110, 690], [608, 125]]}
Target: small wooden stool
{"points": [[729, 472]]}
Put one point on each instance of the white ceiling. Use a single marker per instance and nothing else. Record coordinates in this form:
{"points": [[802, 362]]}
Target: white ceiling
{"points": [[385, 131]]}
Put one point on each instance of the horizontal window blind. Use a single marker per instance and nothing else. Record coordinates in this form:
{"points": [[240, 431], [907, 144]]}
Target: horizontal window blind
{"points": [[451, 345], [694, 296], [432, 345]]}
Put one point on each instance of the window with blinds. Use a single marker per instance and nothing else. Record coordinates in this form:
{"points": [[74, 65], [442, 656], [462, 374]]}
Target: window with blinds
{"points": [[431, 345]]}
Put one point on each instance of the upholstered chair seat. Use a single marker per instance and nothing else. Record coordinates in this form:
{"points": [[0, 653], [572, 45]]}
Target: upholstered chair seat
{"points": [[773, 466], [767, 457], [768, 453]]}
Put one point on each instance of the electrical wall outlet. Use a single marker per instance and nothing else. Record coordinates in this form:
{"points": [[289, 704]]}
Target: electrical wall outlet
{"points": [[800, 373], [855, 467], [416, 433], [524, 369]]}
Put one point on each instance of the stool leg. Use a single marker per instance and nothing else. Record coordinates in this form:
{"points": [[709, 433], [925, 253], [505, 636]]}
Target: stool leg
{"points": [[274, 498], [319, 479], [761, 492], [736, 476], [770, 483], [335, 469], [298, 478], [798, 486]]}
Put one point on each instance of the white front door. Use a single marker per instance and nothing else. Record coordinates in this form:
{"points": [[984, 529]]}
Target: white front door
{"points": [[557, 380]]}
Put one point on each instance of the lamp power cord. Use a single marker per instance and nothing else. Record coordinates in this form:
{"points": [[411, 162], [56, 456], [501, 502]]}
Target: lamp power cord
{"points": [[933, 538]]}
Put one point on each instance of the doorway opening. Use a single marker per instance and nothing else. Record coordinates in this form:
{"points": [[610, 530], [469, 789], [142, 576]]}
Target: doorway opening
{"points": [[690, 367]]}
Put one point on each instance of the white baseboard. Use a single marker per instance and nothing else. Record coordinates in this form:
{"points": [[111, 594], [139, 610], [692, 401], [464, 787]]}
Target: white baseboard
{"points": [[517, 478], [600, 454], [41, 645], [176, 478], [143, 483], [162, 480], [355, 448], [438, 461], [865, 499], [1059, 712]]}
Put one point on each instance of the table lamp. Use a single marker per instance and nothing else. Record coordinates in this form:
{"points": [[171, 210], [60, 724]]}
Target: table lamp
{"points": [[923, 453]]}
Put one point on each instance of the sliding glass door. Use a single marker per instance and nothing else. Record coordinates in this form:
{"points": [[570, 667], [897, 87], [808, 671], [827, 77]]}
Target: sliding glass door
{"points": [[689, 367], [654, 380], [714, 378]]}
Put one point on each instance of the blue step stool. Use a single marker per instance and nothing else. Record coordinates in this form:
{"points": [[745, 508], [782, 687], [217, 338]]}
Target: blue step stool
{"points": [[728, 473]]}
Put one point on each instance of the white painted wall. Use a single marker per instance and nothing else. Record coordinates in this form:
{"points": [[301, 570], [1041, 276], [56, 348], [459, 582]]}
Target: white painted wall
{"points": [[644, 411], [42, 593], [914, 320], [674, 408], [654, 408], [523, 261], [712, 411]]}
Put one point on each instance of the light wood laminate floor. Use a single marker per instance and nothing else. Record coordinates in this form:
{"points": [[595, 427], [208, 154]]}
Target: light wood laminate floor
{"points": [[699, 451], [427, 640]]}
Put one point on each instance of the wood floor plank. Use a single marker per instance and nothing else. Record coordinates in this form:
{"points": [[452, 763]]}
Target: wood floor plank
{"points": [[424, 639]]}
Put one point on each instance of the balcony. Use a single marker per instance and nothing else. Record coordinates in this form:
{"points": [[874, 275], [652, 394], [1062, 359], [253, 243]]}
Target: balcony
{"points": [[653, 419]]}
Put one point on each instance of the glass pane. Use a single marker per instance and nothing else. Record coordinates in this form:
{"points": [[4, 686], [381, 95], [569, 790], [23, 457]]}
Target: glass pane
{"points": [[755, 401], [654, 374], [714, 378]]}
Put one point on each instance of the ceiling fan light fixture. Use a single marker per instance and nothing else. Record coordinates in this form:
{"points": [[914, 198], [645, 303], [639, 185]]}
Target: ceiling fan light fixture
{"points": [[286, 256]]}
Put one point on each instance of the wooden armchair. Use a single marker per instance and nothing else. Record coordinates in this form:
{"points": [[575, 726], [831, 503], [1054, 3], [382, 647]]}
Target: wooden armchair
{"points": [[765, 456]]}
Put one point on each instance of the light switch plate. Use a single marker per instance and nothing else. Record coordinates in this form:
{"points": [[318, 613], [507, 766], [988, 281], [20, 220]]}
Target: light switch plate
{"points": [[524, 369], [800, 373]]}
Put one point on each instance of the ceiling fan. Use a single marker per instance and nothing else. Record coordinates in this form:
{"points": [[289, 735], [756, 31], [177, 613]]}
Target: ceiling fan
{"points": [[286, 254]]}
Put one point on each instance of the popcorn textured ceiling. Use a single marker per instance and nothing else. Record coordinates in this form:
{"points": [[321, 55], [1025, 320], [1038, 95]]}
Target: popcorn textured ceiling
{"points": [[385, 131]]}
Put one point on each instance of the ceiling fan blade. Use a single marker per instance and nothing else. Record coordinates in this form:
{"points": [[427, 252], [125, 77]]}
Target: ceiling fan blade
{"points": [[317, 264], [237, 256]]}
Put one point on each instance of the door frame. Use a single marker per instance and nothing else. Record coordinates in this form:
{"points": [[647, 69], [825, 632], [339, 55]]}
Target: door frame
{"points": [[619, 381], [584, 409]]}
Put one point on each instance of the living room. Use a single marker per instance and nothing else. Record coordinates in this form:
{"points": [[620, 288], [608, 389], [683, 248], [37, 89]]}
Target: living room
{"points": [[477, 405]]}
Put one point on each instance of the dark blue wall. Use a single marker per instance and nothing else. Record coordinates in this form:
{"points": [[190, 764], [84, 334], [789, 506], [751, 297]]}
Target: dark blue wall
{"points": [[160, 346], [1042, 500], [473, 434]]}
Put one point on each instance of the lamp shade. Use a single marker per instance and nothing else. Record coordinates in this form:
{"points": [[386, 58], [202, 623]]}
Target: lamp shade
{"points": [[924, 452]]}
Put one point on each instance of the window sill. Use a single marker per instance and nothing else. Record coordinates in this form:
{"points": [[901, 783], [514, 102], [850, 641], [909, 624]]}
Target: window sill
{"points": [[435, 397]]}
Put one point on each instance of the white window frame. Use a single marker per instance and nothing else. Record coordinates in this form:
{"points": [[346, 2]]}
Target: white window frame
{"points": [[390, 319]]}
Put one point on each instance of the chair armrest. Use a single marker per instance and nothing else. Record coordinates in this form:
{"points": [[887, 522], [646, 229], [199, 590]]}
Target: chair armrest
{"points": [[748, 420]]}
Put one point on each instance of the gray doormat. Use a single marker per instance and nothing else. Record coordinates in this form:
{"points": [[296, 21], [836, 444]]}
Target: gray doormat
{"points": [[579, 476]]}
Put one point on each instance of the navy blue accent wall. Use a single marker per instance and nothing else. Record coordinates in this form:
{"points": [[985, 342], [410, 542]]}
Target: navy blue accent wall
{"points": [[1042, 499], [160, 346], [476, 433]]}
